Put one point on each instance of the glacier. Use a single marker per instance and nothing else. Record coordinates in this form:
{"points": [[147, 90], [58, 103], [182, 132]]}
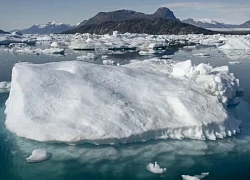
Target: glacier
{"points": [[76, 102]]}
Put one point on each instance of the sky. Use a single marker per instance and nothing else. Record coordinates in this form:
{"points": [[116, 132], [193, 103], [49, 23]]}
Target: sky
{"points": [[20, 14]]}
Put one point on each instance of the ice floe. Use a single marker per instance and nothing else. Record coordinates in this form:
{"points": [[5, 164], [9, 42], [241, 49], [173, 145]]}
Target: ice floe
{"points": [[83, 102], [155, 168]]}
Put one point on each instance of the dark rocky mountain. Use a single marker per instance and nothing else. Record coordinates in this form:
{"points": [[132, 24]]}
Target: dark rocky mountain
{"points": [[149, 26], [3, 32], [121, 15], [205, 23], [48, 28]]}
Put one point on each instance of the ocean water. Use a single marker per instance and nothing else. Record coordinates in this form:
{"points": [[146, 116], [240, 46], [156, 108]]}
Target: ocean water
{"points": [[223, 159]]}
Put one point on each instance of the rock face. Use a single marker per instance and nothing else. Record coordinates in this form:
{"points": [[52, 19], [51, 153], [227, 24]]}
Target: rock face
{"points": [[121, 15], [149, 26], [48, 28]]}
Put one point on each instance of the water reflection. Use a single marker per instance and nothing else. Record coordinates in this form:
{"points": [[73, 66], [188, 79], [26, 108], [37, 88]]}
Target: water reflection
{"points": [[236, 54]]}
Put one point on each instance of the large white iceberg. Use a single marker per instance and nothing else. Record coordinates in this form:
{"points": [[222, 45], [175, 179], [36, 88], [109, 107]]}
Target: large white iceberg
{"points": [[83, 102]]}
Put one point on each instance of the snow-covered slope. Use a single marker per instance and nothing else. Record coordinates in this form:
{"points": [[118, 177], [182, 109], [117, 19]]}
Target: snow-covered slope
{"points": [[48, 28], [78, 101], [205, 23]]}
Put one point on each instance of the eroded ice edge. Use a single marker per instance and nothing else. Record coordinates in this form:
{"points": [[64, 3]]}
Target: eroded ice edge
{"points": [[83, 102]]}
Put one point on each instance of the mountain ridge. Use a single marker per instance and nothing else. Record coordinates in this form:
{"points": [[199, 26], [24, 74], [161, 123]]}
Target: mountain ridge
{"points": [[154, 26]]}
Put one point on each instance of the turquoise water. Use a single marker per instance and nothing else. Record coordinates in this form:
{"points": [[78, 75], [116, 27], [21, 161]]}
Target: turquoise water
{"points": [[224, 159]]}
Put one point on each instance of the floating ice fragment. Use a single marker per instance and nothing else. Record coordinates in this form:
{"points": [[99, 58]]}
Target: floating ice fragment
{"points": [[234, 62], [4, 87], [109, 62], [202, 54], [155, 168], [38, 155], [195, 177]]}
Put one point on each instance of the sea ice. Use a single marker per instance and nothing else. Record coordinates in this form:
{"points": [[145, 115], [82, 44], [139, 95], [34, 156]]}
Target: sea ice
{"points": [[82, 102], [38, 155], [155, 168]]}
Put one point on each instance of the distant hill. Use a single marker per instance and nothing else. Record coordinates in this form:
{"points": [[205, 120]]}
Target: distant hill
{"points": [[245, 25], [142, 25], [48, 28], [3, 32]]}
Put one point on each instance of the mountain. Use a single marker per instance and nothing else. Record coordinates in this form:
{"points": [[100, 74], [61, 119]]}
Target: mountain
{"points": [[208, 23], [245, 25], [50, 27], [149, 26], [121, 15], [3, 32], [205, 23]]}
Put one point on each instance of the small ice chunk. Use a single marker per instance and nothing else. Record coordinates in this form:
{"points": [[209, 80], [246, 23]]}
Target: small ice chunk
{"points": [[38, 155], [182, 68], [53, 51], [155, 168], [195, 177], [4, 87], [55, 45], [234, 62], [108, 62], [86, 57], [104, 57], [202, 54], [167, 57]]}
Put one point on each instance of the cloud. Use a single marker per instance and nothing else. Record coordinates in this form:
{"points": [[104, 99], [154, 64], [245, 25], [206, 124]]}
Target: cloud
{"points": [[208, 6]]}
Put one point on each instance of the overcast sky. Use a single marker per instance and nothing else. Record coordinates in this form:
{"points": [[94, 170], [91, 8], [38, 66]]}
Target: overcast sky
{"points": [[19, 14]]}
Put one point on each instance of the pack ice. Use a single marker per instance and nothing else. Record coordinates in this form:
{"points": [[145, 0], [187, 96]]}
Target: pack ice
{"points": [[82, 102]]}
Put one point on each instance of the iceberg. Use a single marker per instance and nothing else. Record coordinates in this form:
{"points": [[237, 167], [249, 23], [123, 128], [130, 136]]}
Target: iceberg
{"points": [[38, 155], [155, 168], [75, 102]]}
